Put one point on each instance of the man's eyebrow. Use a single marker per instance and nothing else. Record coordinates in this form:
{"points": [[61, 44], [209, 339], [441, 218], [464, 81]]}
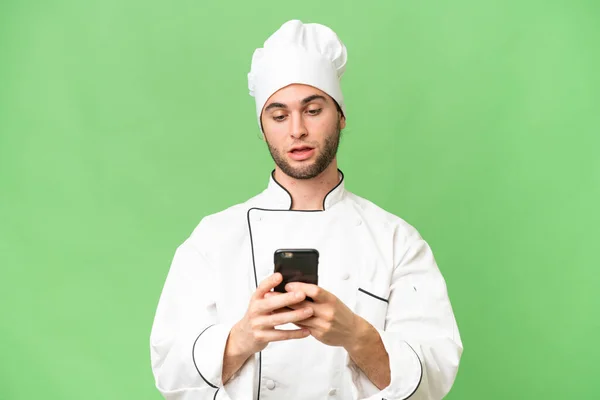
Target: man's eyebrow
{"points": [[314, 97], [275, 105]]}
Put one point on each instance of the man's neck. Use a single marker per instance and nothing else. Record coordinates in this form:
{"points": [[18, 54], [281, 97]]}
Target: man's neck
{"points": [[309, 194]]}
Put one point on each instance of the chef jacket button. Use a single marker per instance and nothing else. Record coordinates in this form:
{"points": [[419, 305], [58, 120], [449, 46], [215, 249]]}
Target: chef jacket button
{"points": [[332, 391], [345, 276], [270, 384]]}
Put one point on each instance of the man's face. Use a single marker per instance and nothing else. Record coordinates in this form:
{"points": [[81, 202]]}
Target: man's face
{"points": [[302, 128]]}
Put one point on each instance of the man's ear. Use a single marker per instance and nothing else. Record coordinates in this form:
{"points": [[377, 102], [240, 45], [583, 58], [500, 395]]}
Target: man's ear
{"points": [[342, 122], [262, 130]]}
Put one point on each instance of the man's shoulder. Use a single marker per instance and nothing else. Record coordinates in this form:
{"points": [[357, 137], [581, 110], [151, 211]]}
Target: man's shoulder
{"points": [[228, 221], [378, 215]]}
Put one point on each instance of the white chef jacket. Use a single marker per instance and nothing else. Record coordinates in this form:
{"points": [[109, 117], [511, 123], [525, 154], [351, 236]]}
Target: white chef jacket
{"points": [[373, 261]]}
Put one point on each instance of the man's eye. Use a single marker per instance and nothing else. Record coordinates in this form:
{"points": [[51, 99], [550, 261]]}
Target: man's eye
{"points": [[279, 118], [315, 111]]}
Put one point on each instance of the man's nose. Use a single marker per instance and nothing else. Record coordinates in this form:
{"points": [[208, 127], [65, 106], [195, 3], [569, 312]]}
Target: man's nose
{"points": [[298, 127]]}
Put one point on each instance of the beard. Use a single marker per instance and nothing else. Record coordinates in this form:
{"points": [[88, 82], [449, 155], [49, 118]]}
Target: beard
{"points": [[324, 158]]}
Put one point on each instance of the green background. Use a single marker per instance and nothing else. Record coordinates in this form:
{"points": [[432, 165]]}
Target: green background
{"points": [[124, 122]]}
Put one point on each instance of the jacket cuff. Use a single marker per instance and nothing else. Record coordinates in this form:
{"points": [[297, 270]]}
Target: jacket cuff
{"points": [[207, 353], [406, 371]]}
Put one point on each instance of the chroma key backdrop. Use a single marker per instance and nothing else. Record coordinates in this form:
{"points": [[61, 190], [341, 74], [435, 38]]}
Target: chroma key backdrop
{"points": [[124, 122]]}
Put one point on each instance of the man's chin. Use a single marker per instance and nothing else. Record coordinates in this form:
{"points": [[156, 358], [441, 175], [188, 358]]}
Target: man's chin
{"points": [[306, 171]]}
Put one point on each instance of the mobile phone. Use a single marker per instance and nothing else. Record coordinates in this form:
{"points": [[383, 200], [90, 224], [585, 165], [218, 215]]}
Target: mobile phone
{"points": [[297, 265]]}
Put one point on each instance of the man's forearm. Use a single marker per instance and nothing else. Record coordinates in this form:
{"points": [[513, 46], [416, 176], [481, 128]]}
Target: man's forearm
{"points": [[369, 354]]}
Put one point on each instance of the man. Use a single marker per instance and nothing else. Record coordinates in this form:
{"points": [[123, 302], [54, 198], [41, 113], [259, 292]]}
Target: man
{"points": [[380, 324]]}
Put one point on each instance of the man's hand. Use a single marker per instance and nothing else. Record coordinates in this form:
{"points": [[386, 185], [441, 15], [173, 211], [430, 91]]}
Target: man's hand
{"points": [[335, 324], [257, 328]]}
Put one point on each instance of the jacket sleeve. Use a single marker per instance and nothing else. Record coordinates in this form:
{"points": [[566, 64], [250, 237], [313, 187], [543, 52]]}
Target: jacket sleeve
{"points": [[187, 341], [420, 336]]}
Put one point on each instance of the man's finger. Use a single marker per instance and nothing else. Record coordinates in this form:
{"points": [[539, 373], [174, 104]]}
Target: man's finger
{"points": [[282, 310], [309, 323], [315, 292], [277, 335], [290, 316], [304, 304], [273, 303], [272, 320], [267, 284]]}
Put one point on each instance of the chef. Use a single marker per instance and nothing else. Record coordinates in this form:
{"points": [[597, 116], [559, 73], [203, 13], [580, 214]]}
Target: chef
{"points": [[379, 324]]}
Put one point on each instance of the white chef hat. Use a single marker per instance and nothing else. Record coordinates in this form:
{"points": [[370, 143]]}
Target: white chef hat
{"points": [[309, 54]]}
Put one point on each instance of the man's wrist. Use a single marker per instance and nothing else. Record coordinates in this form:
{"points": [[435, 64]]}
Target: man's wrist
{"points": [[364, 336], [235, 347]]}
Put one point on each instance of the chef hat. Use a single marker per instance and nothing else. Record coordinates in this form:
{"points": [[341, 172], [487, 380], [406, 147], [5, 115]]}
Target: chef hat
{"points": [[309, 54]]}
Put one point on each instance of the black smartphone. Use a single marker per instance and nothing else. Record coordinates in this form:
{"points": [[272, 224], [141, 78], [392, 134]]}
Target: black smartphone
{"points": [[297, 265]]}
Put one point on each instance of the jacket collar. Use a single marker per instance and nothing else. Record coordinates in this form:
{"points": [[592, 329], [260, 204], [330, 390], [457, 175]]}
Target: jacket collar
{"points": [[277, 197]]}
